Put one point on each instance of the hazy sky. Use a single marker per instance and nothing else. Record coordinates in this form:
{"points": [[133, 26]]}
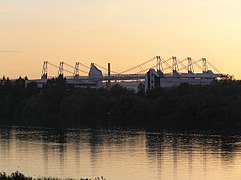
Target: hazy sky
{"points": [[122, 32]]}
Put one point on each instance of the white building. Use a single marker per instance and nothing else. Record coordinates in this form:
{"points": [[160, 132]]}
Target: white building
{"points": [[155, 79]]}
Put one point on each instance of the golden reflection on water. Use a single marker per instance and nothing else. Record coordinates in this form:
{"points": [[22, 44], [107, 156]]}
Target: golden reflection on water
{"points": [[119, 154]]}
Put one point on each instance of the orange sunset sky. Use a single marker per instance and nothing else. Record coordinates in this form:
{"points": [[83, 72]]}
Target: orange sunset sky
{"points": [[122, 32]]}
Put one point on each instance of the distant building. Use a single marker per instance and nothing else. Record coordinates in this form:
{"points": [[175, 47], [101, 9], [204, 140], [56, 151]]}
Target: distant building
{"points": [[132, 85], [94, 80], [96, 75], [154, 79]]}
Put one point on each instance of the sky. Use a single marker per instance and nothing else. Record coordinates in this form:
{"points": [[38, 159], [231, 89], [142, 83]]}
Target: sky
{"points": [[122, 32]]}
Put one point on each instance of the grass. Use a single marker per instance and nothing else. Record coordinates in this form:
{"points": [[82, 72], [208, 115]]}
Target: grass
{"points": [[19, 176]]}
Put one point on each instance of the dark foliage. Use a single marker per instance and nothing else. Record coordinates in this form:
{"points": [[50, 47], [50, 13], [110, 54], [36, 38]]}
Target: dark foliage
{"points": [[19, 176], [216, 106]]}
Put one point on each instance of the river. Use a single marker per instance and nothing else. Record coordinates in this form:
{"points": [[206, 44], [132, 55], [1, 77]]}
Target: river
{"points": [[120, 154]]}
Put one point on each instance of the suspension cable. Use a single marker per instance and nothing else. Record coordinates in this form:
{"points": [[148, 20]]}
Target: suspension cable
{"points": [[105, 69], [182, 64], [196, 63], [69, 65], [84, 65], [215, 69], [168, 66], [144, 70], [53, 65], [138, 65]]}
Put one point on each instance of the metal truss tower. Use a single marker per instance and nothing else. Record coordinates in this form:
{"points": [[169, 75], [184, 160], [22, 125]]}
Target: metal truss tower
{"points": [[76, 69], [174, 65], [61, 68], [45, 70], [205, 66], [190, 65]]}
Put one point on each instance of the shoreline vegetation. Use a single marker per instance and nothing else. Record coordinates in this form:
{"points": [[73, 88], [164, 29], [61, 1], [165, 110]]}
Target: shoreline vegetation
{"points": [[19, 176], [186, 107]]}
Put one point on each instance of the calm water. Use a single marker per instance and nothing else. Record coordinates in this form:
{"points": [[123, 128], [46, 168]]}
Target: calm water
{"points": [[120, 154]]}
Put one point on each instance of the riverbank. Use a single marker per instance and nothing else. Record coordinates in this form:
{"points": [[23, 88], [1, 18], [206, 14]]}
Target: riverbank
{"points": [[186, 107]]}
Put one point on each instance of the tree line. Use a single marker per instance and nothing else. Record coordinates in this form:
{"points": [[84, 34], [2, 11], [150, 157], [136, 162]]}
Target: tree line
{"points": [[57, 104]]}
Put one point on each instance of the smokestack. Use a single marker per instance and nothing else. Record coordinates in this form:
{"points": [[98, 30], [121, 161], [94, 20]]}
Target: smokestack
{"points": [[108, 82]]}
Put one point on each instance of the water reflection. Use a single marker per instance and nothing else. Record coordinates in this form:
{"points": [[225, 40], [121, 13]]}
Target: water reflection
{"points": [[190, 153], [119, 154]]}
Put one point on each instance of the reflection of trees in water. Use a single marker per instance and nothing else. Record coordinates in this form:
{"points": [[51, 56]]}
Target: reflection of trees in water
{"points": [[5, 132], [189, 145], [183, 142], [95, 141], [23, 142], [224, 146], [116, 144], [54, 143], [46, 158], [55, 136], [39, 134], [75, 138], [229, 145], [155, 144], [5, 141], [113, 139]]}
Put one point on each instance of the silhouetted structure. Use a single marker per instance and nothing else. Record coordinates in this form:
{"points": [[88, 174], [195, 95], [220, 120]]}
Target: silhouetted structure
{"points": [[153, 78]]}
